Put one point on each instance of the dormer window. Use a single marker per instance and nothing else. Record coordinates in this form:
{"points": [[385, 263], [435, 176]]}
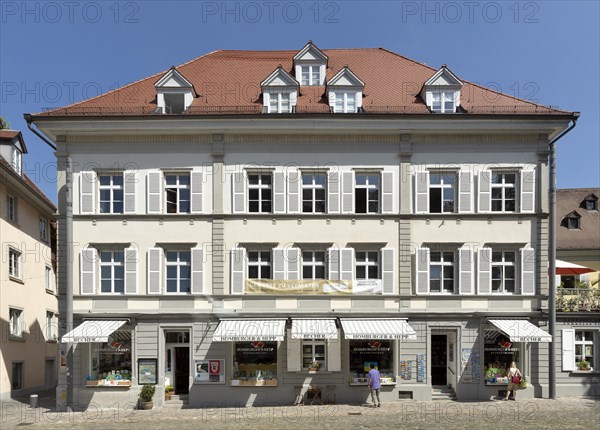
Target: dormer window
{"points": [[174, 93], [441, 92], [310, 65], [311, 75], [280, 92], [12, 148], [17, 159], [443, 102], [590, 203], [572, 221], [345, 91]]}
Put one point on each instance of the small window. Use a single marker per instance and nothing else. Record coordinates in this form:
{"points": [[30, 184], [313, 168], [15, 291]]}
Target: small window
{"points": [[367, 265], [17, 157], [443, 102], [591, 204], [313, 265], [345, 102], [179, 271], [503, 272], [442, 273], [367, 193], [314, 193], [177, 189], [17, 376], [313, 354], [259, 265], [112, 272], [260, 193], [280, 102], [51, 326], [174, 103], [44, 230], [16, 322], [584, 347], [48, 281], [311, 75], [504, 192], [11, 208], [442, 192], [573, 222], [14, 263], [111, 194], [568, 281]]}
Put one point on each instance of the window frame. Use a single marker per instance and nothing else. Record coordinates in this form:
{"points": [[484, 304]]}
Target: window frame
{"points": [[48, 284], [445, 96], [442, 263], [503, 186], [503, 264], [314, 357], [344, 96], [443, 186], [178, 264], [15, 264], [312, 81], [576, 220], [178, 187], [16, 160], [278, 96], [261, 188], [112, 264], [367, 186], [15, 328], [583, 342], [314, 263], [367, 263], [11, 208], [51, 332], [259, 263], [111, 188], [594, 204], [313, 187], [21, 367], [44, 236]]}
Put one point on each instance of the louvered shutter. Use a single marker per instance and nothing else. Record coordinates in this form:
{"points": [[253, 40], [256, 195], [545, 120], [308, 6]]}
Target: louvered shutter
{"points": [[421, 192], [129, 186], [568, 349], [387, 269], [422, 275], [196, 192], [88, 262], [197, 271], [154, 192], [347, 192], [528, 191], [294, 354], [484, 199], [293, 185], [238, 182], [238, 267], [465, 192], [334, 355], [527, 271], [465, 269], [333, 193], [87, 192], [347, 264], [333, 261], [484, 271], [155, 263], [279, 263], [293, 264], [278, 192], [131, 270], [387, 192]]}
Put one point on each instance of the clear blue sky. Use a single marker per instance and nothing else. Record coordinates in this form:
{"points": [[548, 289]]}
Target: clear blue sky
{"points": [[56, 53]]}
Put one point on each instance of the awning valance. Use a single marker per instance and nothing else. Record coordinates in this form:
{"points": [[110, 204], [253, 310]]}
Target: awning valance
{"points": [[243, 330], [522, 331], [93, 331], [314, 329], [378, 329]]}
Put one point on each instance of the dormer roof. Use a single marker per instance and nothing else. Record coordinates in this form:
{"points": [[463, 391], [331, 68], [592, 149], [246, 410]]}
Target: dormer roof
{"points": [[174, 79], [310, 52], [572, 214], [346, 78], [14, 137], [445, 77], [280, 78]]}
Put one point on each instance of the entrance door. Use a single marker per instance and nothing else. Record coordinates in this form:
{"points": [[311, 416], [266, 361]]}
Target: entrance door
{"points": [[439, 359], [182, 369], [49, 374], [452, 368]]}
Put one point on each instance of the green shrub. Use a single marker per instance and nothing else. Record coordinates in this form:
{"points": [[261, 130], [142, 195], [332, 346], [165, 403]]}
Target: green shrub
{"points": [[147, 393]]}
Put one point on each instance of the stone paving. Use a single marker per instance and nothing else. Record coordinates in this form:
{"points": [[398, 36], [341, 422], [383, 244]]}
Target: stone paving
{"points": [[568, 413]]}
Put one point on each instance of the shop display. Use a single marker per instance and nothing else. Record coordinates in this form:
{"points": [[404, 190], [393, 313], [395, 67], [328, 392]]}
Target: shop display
{"points": [[255, 364], [499, 352], [110, 362], [209, 371], [363, 353]]}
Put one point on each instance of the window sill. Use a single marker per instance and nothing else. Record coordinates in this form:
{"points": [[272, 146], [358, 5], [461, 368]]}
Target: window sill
{"points": [[49, 291], [17, 280], [16, 338], [315, 372], [585, 372]]}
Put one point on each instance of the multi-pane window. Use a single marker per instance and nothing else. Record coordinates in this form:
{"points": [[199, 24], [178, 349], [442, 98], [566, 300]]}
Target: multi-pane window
{"points": [[503, 271], [313, 265], [11, 208], [345, 102], [50, 326], [311, 75], [366, 193], [259, 193], [313, 351], [15, 317], [16, 160], [14, 263], [367, 265], [48, 279], [112, 272], [442, 192], [110, 188], [279, 103], [259, 264], [178, 271], [44, 229], [504, 192], [443, 102], [584, 346], [17, 376], [441, 272], [591, 204], [573, 222], [177, 188], [314, 192]]}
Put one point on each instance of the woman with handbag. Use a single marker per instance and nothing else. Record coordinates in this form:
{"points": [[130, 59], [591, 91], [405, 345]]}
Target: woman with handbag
{"points": [[514, 379]]}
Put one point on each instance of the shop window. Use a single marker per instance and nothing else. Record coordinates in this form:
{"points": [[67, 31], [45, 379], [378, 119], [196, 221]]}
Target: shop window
{"points": [[365, 352], [255, 363], [313, 354], [110, 362], [499, 352]]}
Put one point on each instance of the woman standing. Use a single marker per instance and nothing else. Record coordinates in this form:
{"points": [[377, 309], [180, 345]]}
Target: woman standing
{"points": [[514, 379]]}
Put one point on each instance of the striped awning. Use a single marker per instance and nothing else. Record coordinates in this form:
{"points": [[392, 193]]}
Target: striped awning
{"points": [[522, 331], [243, 330], [93, 331], [314, 329], [378, 329]]}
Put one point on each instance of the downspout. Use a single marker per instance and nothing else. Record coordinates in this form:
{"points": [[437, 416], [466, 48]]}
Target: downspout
{"points": [[552, 257], [27, 117]]}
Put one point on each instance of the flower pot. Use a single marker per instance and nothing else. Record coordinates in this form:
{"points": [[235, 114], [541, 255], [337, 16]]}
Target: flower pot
{"points": [[146, 406], [313, 369]]}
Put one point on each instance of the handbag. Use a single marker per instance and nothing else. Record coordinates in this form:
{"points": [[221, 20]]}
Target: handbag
{"points": [[515, 379]]}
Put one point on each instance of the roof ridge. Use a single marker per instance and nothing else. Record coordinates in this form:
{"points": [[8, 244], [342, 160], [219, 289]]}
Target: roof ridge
{"points": [[407, 58]]}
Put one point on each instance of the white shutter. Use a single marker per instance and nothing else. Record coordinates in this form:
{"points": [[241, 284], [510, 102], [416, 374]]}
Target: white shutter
{"points": [[129, 185], [155, 263], [196, 192], [87, 192], [347, 192], [131, 270], [294, 353], [422, 272], [484, 271], [465, 270], [347, 264], [421, 192], [333, 262], [238, 182], [387, 270], [88, 262], [527, 271], [484, 199], [279, 263], [238, 267], [334, 355], [465, 191], [154, 190], [279, 192], [293, 183], [292, 260], [333, 193], [387, 192], [197, 271], [568, 349], [527, 191]]}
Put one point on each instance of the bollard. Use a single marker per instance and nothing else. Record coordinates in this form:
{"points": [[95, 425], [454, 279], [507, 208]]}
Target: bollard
{"points": [[33, 401]]}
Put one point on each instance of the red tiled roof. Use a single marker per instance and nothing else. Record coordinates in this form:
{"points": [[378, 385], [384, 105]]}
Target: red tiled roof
{"points": [[9, 134], [26, 180], [588, 235], [229, 82]]}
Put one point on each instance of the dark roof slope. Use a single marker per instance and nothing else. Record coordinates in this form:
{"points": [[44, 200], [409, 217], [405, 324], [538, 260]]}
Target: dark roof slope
{"points": [[588, 236]]}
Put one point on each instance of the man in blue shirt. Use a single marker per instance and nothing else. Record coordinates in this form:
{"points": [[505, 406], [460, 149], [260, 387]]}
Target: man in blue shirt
{"points": [[374, 384]]}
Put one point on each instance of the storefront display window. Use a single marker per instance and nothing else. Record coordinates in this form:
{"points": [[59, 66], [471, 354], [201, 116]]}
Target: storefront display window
{"points": [[499, 352], [363, 353], [110, 362], [255, 364]]}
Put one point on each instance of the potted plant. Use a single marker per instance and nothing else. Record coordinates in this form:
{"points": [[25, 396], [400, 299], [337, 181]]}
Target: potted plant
{"points": [[146, 396], [169, 390], [584, 365], [314, 366]]}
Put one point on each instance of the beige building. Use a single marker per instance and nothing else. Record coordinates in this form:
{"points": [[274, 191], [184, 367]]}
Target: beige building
{"points": [[28, 297]]}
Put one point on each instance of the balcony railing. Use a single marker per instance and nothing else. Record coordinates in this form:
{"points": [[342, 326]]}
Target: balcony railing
{"points": [[578, 299]]}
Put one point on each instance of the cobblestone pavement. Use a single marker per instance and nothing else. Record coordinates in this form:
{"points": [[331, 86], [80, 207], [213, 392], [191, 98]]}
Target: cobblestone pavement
{"points": [[569, 413]]}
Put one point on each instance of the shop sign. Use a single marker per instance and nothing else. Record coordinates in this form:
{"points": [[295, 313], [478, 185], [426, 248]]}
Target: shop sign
{"points": [[240, 338], [377, 336], [528, 339], [373, 347]]}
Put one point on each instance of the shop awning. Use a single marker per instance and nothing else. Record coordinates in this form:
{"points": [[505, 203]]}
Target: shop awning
{"points": [[522, 331], [93, 331], [243, 330], [314, 329], [378, 329]]}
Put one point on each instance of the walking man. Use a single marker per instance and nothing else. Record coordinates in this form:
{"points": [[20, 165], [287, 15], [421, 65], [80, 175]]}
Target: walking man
{"points": [[374, 385]]}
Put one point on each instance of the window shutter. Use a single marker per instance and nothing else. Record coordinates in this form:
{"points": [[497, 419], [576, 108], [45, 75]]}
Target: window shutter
{"points": [[131, 269], [465, 192], [294, 353], [88, 258], [197, 271], [293, 263], [293, 183], [387, 192], [279, 263], [387, 270], [154, 189], [196, 192], [333, 193], [568, 349], [129, 185], [87, 192], [347, 264], [484, 268], [421, 192], [528, 191], [333, 261], [484, 200], [238, 266], [239, 192], [155, 262], [422, 275], [278, 192], [334, 355], [527, 271], [465, 268], [347, 192]]}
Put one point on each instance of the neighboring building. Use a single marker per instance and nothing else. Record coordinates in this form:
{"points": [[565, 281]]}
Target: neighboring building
{"points": [[251, 216], [28, 299], [578, 296]]}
